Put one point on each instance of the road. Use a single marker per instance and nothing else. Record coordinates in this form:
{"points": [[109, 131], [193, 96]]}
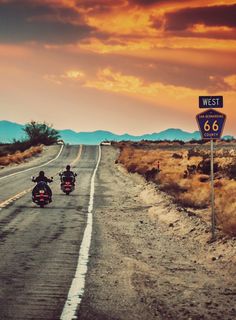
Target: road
{"points": [[147, 259], [39, 247]]}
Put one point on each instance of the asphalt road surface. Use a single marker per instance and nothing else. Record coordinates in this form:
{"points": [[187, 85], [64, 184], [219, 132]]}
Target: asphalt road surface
{"points": [[39, 247], [144, 258]]}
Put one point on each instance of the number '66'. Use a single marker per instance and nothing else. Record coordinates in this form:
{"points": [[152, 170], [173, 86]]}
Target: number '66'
{"points": [[207, 126]]}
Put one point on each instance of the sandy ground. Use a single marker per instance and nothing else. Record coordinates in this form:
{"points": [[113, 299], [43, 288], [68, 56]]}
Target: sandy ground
{"points": [[152, 260]]}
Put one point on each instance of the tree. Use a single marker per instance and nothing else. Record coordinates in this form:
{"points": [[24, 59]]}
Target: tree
{"points": [[41, 133]]}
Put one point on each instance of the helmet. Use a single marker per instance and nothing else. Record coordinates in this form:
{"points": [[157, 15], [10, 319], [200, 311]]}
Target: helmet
{"points": [[68, 167], [41, 173]]}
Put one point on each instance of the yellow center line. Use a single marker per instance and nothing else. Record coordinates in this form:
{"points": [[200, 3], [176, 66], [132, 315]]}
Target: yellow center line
{"points": [[13, 198], [78, 157]]}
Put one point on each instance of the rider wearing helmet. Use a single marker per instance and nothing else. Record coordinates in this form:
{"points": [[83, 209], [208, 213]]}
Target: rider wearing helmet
{"points": [[68, 174], [42, 178]]}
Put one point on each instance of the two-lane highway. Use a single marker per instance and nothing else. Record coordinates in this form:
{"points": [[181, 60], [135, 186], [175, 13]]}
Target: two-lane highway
{"points": [[39, 247]]}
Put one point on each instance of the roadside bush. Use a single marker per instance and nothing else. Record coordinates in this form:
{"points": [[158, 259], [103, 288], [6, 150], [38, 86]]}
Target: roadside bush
{"points": [[177, 156], [19, 156], [41, 133], [205, 166], [226, 206], [13, 147], [231, 170]]}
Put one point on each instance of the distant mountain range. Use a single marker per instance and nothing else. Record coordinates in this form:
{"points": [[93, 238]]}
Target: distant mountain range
{"points": [[10, 130]]}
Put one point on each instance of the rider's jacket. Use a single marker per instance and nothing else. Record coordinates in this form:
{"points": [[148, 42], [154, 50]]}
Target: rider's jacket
{"points": [[42, 179], [68, 174]]}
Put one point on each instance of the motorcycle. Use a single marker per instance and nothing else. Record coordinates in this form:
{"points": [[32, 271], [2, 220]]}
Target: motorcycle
{"points": [[67, 184], [40, 196]]}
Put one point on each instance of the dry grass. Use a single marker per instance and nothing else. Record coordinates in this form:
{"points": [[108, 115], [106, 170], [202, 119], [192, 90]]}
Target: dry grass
{"points": [[19, 157], [226, 205], [184, 174]]}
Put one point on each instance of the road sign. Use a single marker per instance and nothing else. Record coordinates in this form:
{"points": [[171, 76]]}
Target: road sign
{"points": [[211, 102], [211, 124]]}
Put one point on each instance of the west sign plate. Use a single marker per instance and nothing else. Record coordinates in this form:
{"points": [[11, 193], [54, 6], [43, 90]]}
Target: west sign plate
{"points": [[211, 102], [211, 124]]}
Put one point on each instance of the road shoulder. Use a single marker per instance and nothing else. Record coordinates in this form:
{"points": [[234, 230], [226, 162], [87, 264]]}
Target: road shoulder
{"points": [[149, 260]]}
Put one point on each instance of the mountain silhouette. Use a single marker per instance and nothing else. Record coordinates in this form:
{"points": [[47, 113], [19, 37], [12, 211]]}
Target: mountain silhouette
{"points": [[10, 130]]}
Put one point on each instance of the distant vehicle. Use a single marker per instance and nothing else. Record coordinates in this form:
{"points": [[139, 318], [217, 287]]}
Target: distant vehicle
{"points": [[60, 142], [105, 143]]}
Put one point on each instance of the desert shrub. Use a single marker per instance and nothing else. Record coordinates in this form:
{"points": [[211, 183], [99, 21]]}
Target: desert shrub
{"points": [[41, 133], [19, 156], [132, 168], [191, 169], [198, 199], [195, 141], [169, 182], [171, 187], [16, 145], [19, 145], [193, 153], [230, 170], [203, 178], [177, 156], [142, 169], [150, 175], [226, 206], [196, 194], [204, 166]]}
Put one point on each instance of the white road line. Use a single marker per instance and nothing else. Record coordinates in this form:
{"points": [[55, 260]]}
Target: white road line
{"points": [[42, 165], [78, 283]]}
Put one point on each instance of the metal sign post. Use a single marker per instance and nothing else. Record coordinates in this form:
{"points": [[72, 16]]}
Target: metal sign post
{"points": [[213, 220], [211, 124]]}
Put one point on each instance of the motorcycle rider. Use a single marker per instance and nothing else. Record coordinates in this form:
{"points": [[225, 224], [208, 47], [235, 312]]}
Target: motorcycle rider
{"points": [[68, 174], [42, 178]]}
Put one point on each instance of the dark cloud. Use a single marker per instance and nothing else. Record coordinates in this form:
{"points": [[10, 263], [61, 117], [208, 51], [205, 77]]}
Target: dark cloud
{"points": [[181, 20], [26, 21], [225, 35], [145, 3], [218, 84], [157, 23], [100, 6]]}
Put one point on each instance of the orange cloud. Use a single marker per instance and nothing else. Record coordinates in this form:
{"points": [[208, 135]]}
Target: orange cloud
{"points": [[157, 93], [127, 84], [150, 46], [231, 81], [74, 75]]}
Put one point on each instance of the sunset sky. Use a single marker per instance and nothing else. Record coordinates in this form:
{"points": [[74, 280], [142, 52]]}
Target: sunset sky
{"points": [[135, 66]]}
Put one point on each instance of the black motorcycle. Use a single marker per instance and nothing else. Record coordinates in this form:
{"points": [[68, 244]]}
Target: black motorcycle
{"points": [[41, 195], [67, 184]]}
